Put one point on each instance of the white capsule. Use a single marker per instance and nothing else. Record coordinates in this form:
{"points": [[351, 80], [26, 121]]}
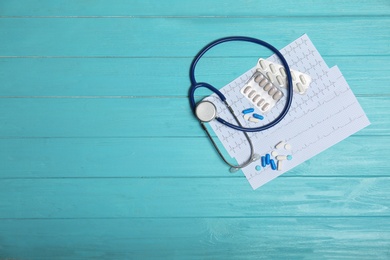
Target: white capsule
{"points": [[272, 67], [246, 90], [282, 71], [292, 75], [247, 116], [269, 76], [262, 64], [303, 80], [267, 87], [251, 94], [263, 82], [300, 88], [256, 98], [261, 102], [265, 107], [281, 157], [272, 91], [277, 95], [280, 164], [280, 145], [274, 154], [258, 78], [280, 80], [254, 120], [287, 146]]}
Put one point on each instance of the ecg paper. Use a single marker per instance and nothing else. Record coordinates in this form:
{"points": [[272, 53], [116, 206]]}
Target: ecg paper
{"points": [[328, 113]]}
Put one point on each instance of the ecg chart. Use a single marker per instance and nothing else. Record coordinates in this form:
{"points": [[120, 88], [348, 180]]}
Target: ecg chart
{"points": [[328, 113]]}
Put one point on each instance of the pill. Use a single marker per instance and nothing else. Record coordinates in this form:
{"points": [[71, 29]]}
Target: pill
{"points": [[274, 153], [300, 88], [272, 91], [252, 93], [263, 82], [281, 157], [272, 67], [269, 76], [292, 75], [262, 64], [258, 116], [278, 95], [258, 167], [247, 116], [303, 80], [280, 145], [267, 87], [247, 89], [254, 120], [248, 110], [263, 162], [273, 165], [258, 78], [265, 107], [287, 146], [280, 80], [267, 158], [289, 157], [280, 164], [257, 97], [261, 102], [282, 71]]}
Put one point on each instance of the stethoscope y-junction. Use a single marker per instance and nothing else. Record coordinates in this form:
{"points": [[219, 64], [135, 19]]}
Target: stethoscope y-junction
{"points": [[205, 111]]}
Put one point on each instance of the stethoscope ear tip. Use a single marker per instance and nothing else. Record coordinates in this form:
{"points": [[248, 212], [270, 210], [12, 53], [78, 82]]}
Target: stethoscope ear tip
{"points": [[233, 169]]}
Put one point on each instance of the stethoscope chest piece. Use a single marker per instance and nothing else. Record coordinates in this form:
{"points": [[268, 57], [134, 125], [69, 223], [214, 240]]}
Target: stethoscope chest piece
{"points": [[205, 111]]}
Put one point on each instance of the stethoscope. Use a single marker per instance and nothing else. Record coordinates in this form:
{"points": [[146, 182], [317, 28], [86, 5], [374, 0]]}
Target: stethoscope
{"points": [[205, 111]]}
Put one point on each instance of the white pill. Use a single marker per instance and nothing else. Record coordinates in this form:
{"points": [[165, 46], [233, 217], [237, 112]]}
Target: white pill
{"points": [[261, 102], [251, 94], [303, 80], [272, 67], [282, 71], [281, 157], [263, 82], [274, 153], [280, 145], [292, 75], [256, 98], [269, 76], [258, 78], [280, 164], [300, 88], [262, 64], [267, 87], [246, 90], [272, 91], [247, 116], [254, 120], [277, 95], [287, 146], [265, 107], [280, 80]]}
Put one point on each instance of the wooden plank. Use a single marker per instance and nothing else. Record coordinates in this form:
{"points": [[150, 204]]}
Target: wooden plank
{"points": [[168, 76], [194, 238], [128, 117], [197, 8], [192, 197], [146, 157], [169, 37]]}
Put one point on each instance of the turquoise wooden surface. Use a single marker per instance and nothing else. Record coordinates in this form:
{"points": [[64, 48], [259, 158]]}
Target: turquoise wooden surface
{"points": [[100, 157]]}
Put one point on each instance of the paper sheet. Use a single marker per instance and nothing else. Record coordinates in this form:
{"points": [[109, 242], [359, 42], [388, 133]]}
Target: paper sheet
{"points": [[325, 115]]}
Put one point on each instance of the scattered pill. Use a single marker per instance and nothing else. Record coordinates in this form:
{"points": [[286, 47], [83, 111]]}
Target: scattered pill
{"points": [[247, 116], [272, 91], [248, 110], [267, 87], [281, 157], [289, 157], [280, 164], [263, 162], [254, 120], [247, 89], [277, 95], [279, 145], [258, 168], [274, 154], [252, 93], [258, 116], [287, 146], [258, 78], [263, 82], [267, 159], [273, 165], [303, 80]]}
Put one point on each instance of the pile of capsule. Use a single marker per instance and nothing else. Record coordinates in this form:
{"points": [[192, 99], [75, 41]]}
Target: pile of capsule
{"points": [[251, 117], [267, 160]]}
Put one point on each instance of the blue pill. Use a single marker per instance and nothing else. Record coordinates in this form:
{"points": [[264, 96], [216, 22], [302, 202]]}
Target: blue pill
{"points": [[273, 164], [289, 157], [248, 110], [263, 161], [267, 159], [258, 116], [258, 168]]}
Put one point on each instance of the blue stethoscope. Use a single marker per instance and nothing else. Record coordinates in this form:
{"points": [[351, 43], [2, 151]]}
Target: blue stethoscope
{"points": [[205, 111]]}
